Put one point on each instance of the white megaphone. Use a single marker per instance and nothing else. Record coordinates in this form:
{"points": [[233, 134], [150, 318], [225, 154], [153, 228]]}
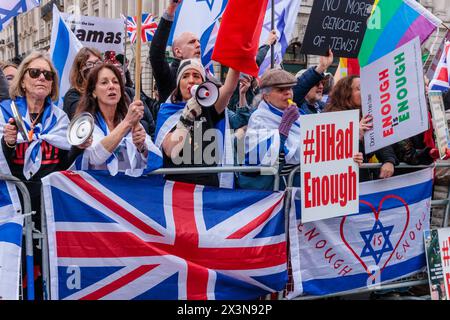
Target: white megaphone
{"points": [[206, 93]]}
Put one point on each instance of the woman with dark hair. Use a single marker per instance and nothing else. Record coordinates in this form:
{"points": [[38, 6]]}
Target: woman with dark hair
{"points": [[120, 143], [178, 120], [346, 95], [85, 60]]}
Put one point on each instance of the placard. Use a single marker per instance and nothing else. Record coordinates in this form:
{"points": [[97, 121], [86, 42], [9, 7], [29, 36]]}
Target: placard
{"points": [[337, 24], [102, 34], [329, 176], [392, 92], [439, 121]]}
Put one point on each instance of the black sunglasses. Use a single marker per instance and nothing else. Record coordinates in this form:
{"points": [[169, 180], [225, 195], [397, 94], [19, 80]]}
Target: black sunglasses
{"points": [[35, 73]]}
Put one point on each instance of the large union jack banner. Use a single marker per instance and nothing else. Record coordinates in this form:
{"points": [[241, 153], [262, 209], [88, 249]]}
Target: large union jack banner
{"points": [[145, 238], [149, 26]]}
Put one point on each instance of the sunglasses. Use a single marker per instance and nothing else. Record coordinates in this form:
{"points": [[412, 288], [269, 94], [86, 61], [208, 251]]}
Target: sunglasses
{"points": [[323, 82], [88, 66], [36, 73]]}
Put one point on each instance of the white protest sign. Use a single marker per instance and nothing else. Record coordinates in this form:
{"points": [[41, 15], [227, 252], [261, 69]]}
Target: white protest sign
{"points": [[392, 92], [329, 176], [102, 34], [439, 121]]}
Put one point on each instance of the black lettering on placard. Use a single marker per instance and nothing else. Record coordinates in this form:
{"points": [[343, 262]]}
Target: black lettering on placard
{"points": [[337, 24], [97, 36]]}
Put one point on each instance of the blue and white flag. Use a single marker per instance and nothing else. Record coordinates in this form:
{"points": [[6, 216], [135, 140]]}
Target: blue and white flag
{"points": [[382, 243], [286, 12], [50, 131], [202, 18], [11, 8], [146, 238], [262, 139], [11, 222], [64, 46], [137, 163]]}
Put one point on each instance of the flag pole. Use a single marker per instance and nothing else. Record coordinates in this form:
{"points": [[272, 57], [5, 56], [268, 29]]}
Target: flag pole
{"points": [[125, 36], [272, 26], [137, 72], [16, 38]]}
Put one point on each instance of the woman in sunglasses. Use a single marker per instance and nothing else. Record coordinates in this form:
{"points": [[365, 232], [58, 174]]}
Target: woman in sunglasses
{"points": [[41, 147], [120, 143], [85, 60]]}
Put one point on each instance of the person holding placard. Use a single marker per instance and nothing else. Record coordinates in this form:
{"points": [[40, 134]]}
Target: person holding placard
{"points": [[274, 125]]}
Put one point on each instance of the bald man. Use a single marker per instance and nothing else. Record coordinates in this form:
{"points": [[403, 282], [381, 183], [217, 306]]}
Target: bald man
{"points": [[185, 46]]}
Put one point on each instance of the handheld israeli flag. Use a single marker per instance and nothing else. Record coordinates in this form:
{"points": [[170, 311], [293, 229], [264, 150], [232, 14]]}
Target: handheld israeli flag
{"points": [[286, 12], [11, 222], [11, 8], [381, 243], [202, 18], [64, 46]]}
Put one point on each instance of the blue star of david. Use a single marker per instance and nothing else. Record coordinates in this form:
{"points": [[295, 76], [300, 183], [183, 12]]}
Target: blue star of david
{"points": [[368, 237], [210, 3]]}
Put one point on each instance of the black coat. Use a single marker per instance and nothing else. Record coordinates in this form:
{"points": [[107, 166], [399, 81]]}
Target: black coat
{"points": [[165, 75]]}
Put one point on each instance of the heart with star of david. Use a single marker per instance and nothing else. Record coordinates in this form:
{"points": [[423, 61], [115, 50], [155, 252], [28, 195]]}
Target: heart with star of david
{"points": [[376, 213]]}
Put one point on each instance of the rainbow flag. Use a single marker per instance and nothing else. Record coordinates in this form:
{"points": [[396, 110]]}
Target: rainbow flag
{"points": [[392, 24]]}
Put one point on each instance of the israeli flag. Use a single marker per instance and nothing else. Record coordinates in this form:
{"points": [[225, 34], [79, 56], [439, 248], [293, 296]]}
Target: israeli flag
{"points": [[202, 18], [11, 222], [286, 12], [64, 46], [11, 8]]}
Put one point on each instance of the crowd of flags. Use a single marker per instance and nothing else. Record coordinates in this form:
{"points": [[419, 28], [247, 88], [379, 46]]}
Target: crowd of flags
{"points": [[401, 21]]}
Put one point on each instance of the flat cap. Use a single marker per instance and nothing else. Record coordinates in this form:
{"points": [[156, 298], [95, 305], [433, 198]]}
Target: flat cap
{"points": [[277, 78]]}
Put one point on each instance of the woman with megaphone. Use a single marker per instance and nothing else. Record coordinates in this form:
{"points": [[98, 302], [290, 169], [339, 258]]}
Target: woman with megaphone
{"points": [[192, 130], [120, 143], [33, 134]]}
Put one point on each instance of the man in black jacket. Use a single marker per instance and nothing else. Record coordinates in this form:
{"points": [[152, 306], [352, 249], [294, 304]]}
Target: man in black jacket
{"points": [[185, 46]]}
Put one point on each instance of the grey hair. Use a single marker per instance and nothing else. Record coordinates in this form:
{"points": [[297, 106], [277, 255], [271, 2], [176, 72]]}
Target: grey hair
{"points": [[266, 90]]}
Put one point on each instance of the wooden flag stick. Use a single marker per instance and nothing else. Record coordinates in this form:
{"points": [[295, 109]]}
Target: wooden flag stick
{"points": [[137, 73]]}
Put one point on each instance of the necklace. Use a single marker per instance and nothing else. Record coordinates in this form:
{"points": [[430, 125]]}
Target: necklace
{"points": [[33, 123]]}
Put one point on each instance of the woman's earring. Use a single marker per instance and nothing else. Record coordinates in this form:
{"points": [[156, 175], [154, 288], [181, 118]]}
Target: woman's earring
{"points": [[94, 95]]}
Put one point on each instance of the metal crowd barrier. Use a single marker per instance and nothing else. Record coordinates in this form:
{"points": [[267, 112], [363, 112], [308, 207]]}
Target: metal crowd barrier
{"points": [[409, 282], [28, 232], [415, 280]]}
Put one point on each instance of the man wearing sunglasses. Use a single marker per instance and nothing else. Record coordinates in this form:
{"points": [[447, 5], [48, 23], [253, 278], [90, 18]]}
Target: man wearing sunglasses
{"points": [[308, 91]]}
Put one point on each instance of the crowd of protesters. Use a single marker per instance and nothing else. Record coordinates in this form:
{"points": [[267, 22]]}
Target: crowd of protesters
{"points": [[127, 127]]}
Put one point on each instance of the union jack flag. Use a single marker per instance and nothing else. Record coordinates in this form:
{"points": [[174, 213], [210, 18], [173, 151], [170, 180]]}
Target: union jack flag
{"points": [[149, 26], [163, 240]]}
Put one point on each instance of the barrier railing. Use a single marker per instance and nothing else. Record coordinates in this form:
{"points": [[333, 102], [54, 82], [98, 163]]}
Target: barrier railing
{"points": [[421, 279], [267, 171], [28, 231]]}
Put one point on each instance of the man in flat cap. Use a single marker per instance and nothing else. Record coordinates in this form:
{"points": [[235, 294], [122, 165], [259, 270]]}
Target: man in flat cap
{"points": [[273, 132]]}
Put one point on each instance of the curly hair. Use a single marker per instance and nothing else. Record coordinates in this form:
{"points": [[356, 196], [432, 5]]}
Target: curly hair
{"points": [[341, 96]]}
